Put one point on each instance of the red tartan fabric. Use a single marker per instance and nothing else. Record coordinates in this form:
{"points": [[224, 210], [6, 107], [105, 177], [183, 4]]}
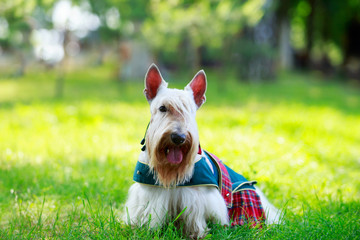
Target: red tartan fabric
{"points": [[226, 184], [246, 209], [244, 206]]}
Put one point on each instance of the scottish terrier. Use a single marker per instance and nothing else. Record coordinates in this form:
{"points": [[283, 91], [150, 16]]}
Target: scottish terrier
{"points": [[176, 179]]}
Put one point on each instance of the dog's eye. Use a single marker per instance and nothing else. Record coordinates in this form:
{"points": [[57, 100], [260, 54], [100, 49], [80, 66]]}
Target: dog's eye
{"points": [[162, 108]]}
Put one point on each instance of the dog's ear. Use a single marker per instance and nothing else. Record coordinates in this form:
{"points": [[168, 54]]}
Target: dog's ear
{"points": [[198, 87], [153, 81]]}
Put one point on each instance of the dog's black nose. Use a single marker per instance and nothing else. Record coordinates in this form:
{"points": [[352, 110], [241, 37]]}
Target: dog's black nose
{"points": [[178, 138]]}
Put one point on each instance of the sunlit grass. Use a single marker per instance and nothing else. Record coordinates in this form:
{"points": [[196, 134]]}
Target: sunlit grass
{"points": [[66, 164]]}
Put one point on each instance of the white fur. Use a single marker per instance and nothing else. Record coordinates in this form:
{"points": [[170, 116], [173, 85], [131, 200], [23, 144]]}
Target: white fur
{"points": [[158, 205]]}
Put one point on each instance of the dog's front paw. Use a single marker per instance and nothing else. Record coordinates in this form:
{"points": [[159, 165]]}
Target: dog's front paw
{"points": [[198, 232], [200, 235]]}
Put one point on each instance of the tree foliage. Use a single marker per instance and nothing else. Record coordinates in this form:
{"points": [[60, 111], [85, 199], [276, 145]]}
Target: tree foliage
{"points": [[180, 31], [320, 26], [174, 24]]}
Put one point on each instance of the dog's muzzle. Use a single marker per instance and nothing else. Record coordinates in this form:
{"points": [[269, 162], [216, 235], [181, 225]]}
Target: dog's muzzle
{"points": [[175, 151]]}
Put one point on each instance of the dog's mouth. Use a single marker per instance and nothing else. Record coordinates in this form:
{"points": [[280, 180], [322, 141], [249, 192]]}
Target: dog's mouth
{"points": [[170, 153], [172, 162], [174, 154]]}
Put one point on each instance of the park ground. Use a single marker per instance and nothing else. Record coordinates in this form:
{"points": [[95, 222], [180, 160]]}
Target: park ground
{"points": [[66, 163]]}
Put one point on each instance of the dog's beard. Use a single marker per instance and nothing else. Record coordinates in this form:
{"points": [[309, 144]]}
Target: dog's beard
{"points": [[173, 164]]}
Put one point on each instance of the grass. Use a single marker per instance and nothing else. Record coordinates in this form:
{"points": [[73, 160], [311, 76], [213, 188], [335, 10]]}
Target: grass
{"points": [[66, 164]]}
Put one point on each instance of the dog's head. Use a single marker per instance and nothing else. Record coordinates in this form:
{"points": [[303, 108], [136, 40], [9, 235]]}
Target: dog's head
{"points": [[172, 139]]}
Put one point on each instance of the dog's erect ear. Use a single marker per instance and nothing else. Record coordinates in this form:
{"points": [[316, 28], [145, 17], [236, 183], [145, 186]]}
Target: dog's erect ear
{"points": [[153, 81], [198, 87]]}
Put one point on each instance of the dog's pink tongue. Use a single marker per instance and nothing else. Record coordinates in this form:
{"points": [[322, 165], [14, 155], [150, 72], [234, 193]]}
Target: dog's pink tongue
{"points": [[175, 155]]}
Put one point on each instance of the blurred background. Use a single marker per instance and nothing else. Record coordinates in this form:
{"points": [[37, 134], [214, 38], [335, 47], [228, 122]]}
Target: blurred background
{"points": [[283, 104], [255, 39]]}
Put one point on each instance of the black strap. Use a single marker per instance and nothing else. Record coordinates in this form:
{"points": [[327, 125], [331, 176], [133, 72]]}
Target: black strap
{"points": [[143, 140]]}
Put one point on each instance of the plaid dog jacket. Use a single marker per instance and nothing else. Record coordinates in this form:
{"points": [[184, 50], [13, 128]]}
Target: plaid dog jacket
{"points": [[243, 203]]}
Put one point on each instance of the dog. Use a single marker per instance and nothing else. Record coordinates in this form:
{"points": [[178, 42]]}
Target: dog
{"points": [[176, 179]]}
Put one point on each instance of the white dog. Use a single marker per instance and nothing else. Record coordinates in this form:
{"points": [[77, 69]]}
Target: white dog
{"points": [[174, 176]]}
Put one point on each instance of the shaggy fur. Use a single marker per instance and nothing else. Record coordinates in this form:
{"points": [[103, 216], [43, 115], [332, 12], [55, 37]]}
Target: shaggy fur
{"points": [[173, 112], [202, 204]]}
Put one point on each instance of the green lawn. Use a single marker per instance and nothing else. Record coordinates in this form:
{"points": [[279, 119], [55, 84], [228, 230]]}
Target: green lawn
{"points": [[66, 164]]}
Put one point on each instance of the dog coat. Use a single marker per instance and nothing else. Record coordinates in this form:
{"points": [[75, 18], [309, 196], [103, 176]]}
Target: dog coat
{"points": [[242, 201]]}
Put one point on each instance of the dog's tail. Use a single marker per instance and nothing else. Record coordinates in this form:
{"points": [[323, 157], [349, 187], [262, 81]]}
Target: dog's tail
{"points": [[273, 215]]}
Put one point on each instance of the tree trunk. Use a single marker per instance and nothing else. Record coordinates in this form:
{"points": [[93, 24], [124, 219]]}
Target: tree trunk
{"points": [[60, 79], [286, 61], [20, 71], [310, 31]]}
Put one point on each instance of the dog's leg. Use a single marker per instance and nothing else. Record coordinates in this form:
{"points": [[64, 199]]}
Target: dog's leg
{"points": [[146, 204], [271, 212], [216, 208], [202, 204]]}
